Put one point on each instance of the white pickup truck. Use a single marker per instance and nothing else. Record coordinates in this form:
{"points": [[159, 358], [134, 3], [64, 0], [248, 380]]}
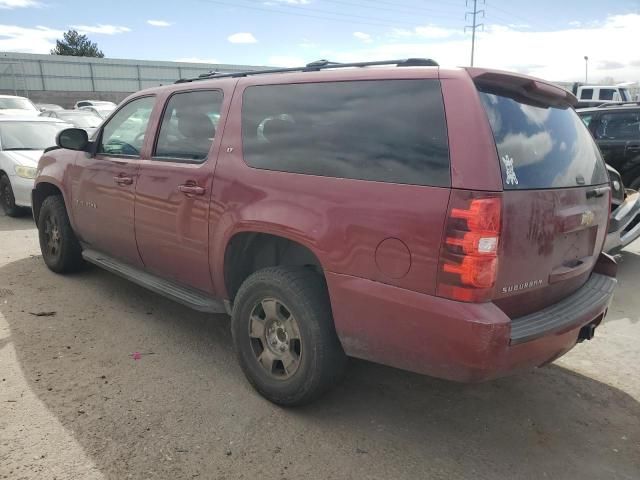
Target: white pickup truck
{"points": [[594, 95]]}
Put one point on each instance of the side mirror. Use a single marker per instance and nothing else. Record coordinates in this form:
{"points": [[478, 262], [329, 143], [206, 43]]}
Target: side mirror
{"points": [[73, 139]]}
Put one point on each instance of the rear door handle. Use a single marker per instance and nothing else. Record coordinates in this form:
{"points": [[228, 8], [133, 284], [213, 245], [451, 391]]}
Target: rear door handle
{"points": [[191, 189], [634, 147], [122, 180]]}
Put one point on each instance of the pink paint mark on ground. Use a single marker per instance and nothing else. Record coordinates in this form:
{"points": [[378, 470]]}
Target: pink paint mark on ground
{"points": [[136, 355]]}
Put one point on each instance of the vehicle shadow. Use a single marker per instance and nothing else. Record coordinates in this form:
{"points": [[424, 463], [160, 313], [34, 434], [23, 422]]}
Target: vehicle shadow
{"points": [[184, 410], [19, 223]]}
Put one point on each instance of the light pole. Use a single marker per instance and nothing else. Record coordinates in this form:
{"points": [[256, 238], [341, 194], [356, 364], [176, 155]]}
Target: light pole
{"points": [[586, 69]]}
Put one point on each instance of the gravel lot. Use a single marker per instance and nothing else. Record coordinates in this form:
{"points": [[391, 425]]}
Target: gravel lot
{"points": [[75, 404]]}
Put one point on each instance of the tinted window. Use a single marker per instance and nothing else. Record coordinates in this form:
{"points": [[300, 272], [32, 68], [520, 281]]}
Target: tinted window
{"points": [[389, 130], [587, 94], [586, 119], [619, 126], [542, 147], [124, 133], [606, 93], [189, 125]]}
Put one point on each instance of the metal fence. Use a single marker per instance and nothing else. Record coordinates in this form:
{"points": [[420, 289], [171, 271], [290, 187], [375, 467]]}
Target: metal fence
{"points": [[24, 73]]}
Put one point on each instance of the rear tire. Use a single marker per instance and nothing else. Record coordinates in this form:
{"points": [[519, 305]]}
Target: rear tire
{"points": [[60, 248], [8, 200], [284, 335]]}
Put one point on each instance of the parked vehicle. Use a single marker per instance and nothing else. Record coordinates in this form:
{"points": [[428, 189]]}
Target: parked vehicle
{"points": [[595, 95], [444, 221], [616, 129], [624, 224], [22, 141], [103, 111], [86, 120], [93, 103], [13, 105], [46, 107]]}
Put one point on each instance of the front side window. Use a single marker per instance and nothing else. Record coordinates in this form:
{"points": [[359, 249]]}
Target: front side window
{"points": [[124, 133], [16, 103], [380, 130], [607, 93], [586, 94], [619, 126], [189, 125]]}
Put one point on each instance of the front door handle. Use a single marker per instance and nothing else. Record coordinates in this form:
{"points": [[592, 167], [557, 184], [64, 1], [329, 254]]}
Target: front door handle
{"points": [[122, 180], [634, 147], [191, 189]]}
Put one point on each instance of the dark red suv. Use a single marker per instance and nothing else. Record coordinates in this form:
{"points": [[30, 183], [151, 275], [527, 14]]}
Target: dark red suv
{"points": [[444, 221]]}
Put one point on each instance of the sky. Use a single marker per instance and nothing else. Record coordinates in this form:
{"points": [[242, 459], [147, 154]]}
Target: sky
{"points": [[545, 38]]}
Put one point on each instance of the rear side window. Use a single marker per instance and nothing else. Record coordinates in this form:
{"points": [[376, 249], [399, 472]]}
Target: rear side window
{"points": [[586, 94], [619, 126], [387, 130], [606, 93], [542, 146], [189, 125]]}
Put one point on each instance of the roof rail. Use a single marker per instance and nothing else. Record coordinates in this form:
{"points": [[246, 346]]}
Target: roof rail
{"points": [[617, 104], [317, 66]]}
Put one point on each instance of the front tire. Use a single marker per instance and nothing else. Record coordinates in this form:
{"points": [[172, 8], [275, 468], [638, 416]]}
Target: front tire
{"points": [[8, 200], [60, 248], [284, 335]]}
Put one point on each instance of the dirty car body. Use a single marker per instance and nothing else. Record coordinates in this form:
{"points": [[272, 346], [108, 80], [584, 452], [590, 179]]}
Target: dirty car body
{"points": [[447, 248]]}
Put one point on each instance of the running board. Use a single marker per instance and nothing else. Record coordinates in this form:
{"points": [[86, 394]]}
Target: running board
{"points": [[188, 296]]}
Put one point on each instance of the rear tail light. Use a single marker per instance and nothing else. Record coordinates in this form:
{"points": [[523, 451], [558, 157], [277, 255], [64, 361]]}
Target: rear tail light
{"points": [[469, 251]]}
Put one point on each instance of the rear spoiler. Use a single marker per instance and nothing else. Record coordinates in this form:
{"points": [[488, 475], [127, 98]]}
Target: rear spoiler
{"points": [[522, 88]]}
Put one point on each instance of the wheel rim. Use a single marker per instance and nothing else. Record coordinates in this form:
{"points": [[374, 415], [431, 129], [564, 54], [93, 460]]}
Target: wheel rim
{"points": [[52, 238], [275, 338]]}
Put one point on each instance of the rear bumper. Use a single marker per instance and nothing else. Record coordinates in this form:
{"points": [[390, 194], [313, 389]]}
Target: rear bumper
{"points": [[454, 340], [624, 224]]}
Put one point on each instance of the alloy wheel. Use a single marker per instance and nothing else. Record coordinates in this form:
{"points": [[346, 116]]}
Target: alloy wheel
{"points": [[275, 338]]}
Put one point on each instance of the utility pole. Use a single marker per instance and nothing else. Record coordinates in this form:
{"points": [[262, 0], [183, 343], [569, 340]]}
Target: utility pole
{"points": [[586, 69], [475, 25]]}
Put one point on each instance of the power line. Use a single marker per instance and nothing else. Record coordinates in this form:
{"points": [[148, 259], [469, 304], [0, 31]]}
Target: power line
{"points": [[339, 17], [406, 10], [475, 25]]}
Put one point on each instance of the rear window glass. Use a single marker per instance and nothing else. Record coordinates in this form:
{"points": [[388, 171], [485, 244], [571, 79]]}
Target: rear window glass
{"points": [[388, 131], [542, 147]]}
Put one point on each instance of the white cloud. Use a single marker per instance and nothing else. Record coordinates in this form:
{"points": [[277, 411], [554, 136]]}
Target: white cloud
{"points": [[213, 61], [555, 55], [242, 37], [308, 44], [159, 23], [426, 31], [28, 40], [363, 37], [10, 4], [101, 29], [285, 61], [575, 23]]}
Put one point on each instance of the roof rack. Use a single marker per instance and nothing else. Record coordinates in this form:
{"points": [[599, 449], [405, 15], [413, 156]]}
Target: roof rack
{"points": [[617, 104], [317, 66]]}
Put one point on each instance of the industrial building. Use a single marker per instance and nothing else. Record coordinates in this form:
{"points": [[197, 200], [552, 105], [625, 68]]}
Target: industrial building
{"points": [[65, 79]]}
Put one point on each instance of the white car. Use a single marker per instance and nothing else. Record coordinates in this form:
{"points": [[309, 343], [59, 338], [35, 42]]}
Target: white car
{"points": [[103, 111], [93, 103], [22, 141], [13, 105]]}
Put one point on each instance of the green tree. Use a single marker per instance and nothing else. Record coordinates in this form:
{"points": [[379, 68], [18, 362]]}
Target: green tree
{"points": [[77, 45]]}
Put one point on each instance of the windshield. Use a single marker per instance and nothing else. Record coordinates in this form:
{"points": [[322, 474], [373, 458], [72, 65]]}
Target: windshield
{"points": [[82, 120], [542, 147], [16, 103], [29, 135]]}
